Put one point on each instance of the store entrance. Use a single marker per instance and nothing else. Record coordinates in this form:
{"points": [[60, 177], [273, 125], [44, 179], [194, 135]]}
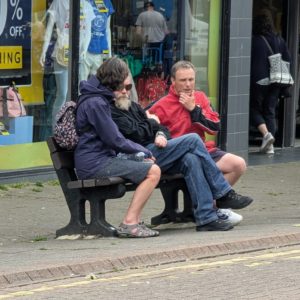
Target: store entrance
{"points": [[283, 14]]}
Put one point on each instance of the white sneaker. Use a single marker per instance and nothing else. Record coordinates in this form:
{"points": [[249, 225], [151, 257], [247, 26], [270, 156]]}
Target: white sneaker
{"points": [[267, 140], [229, 215], [270, 149]]}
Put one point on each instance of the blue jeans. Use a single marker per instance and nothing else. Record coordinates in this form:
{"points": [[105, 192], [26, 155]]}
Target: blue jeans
{"points": [[205, 182]]}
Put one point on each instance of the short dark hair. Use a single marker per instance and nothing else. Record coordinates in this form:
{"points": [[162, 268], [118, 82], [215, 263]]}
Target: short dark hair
{"points": [[182, 64], [148, 3], [112, 73]]}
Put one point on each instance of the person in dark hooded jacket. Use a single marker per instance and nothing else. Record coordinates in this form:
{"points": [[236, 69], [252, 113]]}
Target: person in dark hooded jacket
{"points": [[100, 141], [263, 95]]}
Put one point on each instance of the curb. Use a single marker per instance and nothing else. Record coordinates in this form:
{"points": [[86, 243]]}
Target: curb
{"points": [[147, 260]]}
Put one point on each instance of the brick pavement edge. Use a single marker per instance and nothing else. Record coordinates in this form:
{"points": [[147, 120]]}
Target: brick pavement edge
{"points": [[147, 260]]}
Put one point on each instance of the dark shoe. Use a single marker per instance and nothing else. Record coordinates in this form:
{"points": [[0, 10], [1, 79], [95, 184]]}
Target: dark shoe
{"points": [[233, 200], [217, 225]]}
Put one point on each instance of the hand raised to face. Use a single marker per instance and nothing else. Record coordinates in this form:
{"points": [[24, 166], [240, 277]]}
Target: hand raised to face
{"points": [[187, 100]]}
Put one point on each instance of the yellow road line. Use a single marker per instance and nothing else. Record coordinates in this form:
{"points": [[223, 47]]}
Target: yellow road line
{"points": [[207, 265]]}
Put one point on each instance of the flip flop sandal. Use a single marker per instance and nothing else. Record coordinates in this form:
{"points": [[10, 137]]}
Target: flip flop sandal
{"points": [[136, 231]]}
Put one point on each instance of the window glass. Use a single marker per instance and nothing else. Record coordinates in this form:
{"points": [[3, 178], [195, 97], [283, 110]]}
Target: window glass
{"points": [[34, 44], [201, 43], [144, 37], [22, 30]]}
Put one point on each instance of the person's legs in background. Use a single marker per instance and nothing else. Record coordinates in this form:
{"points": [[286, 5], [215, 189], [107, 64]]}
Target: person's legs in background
{"points": [[258, 103]]}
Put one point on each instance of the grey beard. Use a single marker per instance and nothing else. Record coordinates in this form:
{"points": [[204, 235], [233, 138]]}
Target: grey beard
{"points": [[123, 103]]}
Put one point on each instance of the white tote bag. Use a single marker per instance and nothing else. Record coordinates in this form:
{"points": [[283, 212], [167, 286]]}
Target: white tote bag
{"points": [[279, 69]]}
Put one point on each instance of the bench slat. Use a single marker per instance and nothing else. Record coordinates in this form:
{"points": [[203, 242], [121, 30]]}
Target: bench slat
{"points": [[168, 177], [63, 160], [95, 182]]}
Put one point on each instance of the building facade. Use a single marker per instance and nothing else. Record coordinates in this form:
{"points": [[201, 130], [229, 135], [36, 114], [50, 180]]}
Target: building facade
{"points": [[48, 47]]}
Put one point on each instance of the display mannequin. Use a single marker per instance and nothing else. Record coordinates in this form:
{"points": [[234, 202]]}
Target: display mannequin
{"points": [[100, 44], [58, 15]]}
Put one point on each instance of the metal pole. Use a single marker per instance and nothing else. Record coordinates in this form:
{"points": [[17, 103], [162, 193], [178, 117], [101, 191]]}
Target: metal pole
{"points": [[73, 49]]}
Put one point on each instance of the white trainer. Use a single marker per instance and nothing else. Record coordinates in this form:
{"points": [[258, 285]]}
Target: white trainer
{"points": [[270, 149], [267, 140], [229, 215]]}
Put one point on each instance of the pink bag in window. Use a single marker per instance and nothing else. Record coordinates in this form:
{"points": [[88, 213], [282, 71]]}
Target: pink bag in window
{"points": [[11, 104]]}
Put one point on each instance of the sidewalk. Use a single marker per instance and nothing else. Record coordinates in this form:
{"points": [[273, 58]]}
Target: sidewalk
{"points": [[30, 214]]}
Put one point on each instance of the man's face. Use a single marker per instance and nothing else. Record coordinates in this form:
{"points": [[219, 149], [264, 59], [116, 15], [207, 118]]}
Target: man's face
{"points": [[122, 95], [184, 81]]}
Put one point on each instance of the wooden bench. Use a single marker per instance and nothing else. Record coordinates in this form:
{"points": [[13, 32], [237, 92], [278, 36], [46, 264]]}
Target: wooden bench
{"points": [[97, 191]]}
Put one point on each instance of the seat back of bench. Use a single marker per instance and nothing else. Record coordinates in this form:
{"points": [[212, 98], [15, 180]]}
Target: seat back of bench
{"points": [[63, 162]]}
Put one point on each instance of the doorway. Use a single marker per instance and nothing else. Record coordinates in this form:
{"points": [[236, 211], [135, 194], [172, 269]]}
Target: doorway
{"points": [[284, 14]]}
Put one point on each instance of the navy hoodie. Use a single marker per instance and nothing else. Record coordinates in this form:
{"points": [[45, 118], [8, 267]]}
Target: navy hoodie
{"points": [[103, 140]]}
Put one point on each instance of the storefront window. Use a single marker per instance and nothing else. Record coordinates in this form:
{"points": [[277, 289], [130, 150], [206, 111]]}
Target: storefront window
{"points": [[120, 29], [34, 52], [201, 43], [22, 29]]}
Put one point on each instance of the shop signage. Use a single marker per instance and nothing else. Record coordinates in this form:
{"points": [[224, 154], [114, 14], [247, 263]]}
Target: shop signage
{"points": [[15, 42]]}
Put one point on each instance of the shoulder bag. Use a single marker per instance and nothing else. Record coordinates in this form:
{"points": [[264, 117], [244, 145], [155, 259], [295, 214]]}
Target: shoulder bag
{"points": [[279, 69]]}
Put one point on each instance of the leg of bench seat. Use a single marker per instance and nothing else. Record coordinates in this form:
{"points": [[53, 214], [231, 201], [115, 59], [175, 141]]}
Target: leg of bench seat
{"points": [[76, 205], [98, 225], [97, 198], [170, 191]]}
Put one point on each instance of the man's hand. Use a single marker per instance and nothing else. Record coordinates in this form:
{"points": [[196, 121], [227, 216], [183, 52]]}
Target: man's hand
{"points": [[152, 116], [160, 141], [187, 100]]}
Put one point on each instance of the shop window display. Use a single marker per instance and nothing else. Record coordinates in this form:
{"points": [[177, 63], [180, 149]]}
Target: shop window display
{"points": [[149, 55], [58, 19], [107, 27]]}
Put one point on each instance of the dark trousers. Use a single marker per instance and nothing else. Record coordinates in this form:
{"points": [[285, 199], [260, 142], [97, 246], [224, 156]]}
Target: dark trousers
{"points": [[263, 103]]}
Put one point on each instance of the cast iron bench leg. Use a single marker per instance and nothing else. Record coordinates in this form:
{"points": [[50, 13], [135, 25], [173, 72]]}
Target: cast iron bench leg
{"points": [[98, 224], [170, 213], [77, 224], [76, 205]]}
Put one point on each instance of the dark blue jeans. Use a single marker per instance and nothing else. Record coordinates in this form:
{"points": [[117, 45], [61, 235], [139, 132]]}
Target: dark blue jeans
{"points": [[205, 182]]}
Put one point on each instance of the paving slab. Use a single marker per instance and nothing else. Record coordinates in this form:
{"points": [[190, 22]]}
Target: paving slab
{"points": [[31, 213]]}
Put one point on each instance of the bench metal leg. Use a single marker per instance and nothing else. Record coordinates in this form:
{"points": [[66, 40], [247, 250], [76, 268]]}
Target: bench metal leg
{"points": [[97, 198], [76, 205], [77, 224], [98, 224], [170, 191]]}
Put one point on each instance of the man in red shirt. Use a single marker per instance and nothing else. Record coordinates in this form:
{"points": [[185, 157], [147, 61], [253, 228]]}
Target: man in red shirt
{"points": [[185, 110]]}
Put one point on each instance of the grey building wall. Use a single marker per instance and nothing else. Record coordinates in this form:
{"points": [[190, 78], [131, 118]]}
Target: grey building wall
{"points": [[239, 77]]}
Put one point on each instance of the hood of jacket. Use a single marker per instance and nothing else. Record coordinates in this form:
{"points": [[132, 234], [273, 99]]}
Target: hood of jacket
{"points": [[93, 86]]}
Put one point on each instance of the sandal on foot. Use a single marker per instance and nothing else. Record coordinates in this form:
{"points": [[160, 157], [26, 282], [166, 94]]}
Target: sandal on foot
{"points": [[136, 231], [142, 224]]}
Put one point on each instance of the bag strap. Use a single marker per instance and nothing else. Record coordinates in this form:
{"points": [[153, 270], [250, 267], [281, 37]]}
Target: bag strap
{"points": [[5, 108], [268, 45]]}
